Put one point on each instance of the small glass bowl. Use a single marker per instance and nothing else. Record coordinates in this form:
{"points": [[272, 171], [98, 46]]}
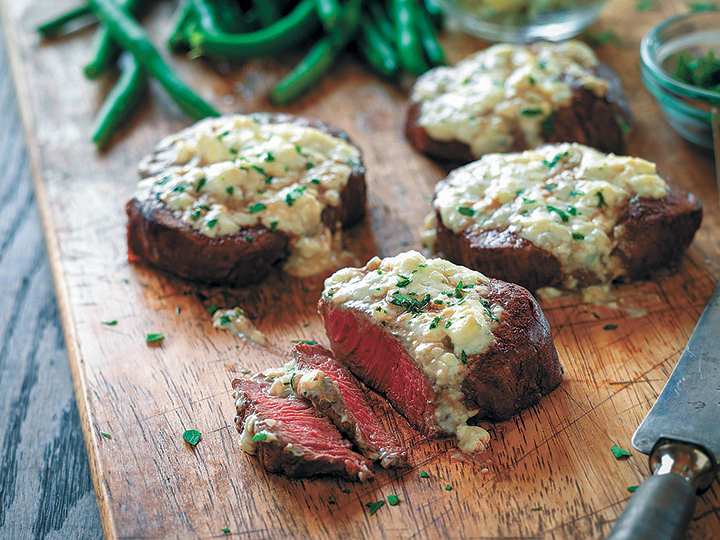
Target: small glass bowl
{"points": [[687, 108], [522, 21]]}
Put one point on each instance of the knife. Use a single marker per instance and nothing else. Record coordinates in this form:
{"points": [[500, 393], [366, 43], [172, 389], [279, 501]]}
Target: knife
{"points": [[682, 435]]}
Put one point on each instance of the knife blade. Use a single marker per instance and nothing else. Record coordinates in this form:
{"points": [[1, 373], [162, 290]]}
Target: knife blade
{"points": [[682, 435]]}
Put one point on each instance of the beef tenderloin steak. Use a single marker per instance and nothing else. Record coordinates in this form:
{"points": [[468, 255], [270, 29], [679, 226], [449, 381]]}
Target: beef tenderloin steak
{"points": [[228, 198], [514, 97]]}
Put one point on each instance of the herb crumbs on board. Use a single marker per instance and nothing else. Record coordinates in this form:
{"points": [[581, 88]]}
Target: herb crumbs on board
{"points": [[393, 500], [110, 323], [374, 506], [536, 508], [619, 452], [106, 435], [423, 474], [192, 437], [154, 338], [610, 327]]}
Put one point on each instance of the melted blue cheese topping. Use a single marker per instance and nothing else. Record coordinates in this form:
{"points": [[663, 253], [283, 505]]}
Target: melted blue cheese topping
{"points": [[564, 198], [439, 311], [237, 171], [494, 93]]}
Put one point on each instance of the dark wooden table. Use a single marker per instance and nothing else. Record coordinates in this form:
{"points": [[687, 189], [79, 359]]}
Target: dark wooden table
{"points": [[45, 485]]}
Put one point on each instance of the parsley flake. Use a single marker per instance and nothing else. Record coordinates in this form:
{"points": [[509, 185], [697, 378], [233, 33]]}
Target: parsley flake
{"points": [[269, 157], [256, 207], [230, 190], [260, 437], [550, 164], [448, 488], [154, 338], [610, 327], [403, 281], [463, 357], [200, 184], [211, 223], [273, 225], [632, 489], [179, 189], [601, 199], [466, 211], [212, 309], [578, 236], [225, 530], [192, 437], [423, 474], [548, 123], [434, 323], [107, 436], [393, 500], [110, 323], [536, 508], [531, 112], [563, 216], [374, 506], [410, 304], [619, 452]]}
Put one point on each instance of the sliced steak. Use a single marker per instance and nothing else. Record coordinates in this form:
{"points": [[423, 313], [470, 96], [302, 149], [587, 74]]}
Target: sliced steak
{"points": [[289, 436], [335, 392]]}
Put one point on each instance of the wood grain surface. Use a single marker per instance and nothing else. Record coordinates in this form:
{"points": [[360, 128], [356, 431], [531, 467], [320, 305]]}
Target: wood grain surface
{"points": [[45, 485], [150, 483]]}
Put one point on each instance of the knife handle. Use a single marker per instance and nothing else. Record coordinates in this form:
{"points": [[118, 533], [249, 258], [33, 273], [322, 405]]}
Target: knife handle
{"points": [[663, 505]]}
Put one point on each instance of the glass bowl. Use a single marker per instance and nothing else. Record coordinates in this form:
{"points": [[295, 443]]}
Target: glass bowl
{"points": [[521, 21], [687, 108]]}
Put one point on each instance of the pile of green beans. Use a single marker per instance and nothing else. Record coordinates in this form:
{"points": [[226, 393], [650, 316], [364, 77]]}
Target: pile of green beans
{"points": [[393, 36]]}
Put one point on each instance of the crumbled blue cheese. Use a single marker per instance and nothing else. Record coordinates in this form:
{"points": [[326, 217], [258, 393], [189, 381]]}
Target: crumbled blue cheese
{"points": [[235, 172], [441, 314], [565, 199], [234, 321], [488, 97]]}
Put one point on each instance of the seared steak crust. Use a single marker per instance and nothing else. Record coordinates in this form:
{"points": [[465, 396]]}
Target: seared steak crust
{"points": [[160, 239]]}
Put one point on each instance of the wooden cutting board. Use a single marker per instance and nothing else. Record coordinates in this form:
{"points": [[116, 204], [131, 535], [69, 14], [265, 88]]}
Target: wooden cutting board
{"points": [[549, 471]]}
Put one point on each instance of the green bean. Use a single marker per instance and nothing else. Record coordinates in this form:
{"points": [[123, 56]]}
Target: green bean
{"points": [[207, 17], [131, 36], [119, 102], [52, 28], [267, 11], [105, 50], [183, 15], [328, 11], [382, 21], [292, 29], [432, 47], [409, 46], [435, 12], [320, 58], [376, 49]]}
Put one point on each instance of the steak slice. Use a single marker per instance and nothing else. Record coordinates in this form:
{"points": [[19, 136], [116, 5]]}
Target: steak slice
{"points": [[289, 436], [335, 392]]}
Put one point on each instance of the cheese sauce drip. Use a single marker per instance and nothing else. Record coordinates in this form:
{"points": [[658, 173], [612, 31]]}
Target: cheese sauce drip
{"points": [[493, 94], [441, 314], [240, 171], [236, 322], [565, 199]]}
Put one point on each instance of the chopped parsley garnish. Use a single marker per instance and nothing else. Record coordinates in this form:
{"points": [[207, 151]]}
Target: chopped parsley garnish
{"points": [[434, 323], [298, 149], [459, 289], [422, 265], [309, 165], [645, 5], [550, 164], [596, 315], [273, 225], [601, 200], [466, 211], [531, 112], [256, 207], [110, 323], [178, 309], [269, 179], [230, 190], [154, 338], [548, 123], [423, 474], [259, 437], [179, 189], [249, 239], [225, 530], [575, 193], [532, 80], [304, 341], [632, 489], [528, 201], [447, 324], [488, 310], [393, 500], [315, 181], [563, 216], [346, 490], [619, 452], [374, 506], [212, 309], [536, 508], [106, 435], [403, 281], [610, 327], [578, 236], [410, 304], [448, 488], [211, 223], [269, 157], [550, 187], [571, 210], [295, 194], [192, 437], [463, 357], [200, 184], [259, 170], [225, 320], [703, 72]]}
